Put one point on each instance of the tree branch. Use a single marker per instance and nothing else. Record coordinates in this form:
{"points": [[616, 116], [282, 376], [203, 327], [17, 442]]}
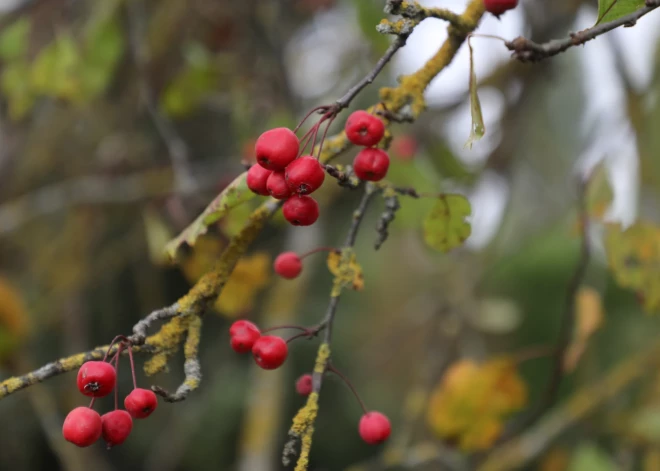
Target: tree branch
{"points": [[528, 51]]}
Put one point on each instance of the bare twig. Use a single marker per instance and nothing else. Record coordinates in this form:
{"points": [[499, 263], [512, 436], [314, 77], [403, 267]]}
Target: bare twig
{"points": [[567, 322], [529, 51], [140, 329]]}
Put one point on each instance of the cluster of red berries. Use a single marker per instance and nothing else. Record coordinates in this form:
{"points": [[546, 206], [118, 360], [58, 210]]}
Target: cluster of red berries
{"points": [[364, 129], [269, 351], [83, 426], [281, 174], [497, 7]]}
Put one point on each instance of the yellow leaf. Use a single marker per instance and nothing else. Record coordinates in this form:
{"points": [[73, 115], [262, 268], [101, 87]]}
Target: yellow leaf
{"points": [[445, 227], [633, 256], [589, 318], [347, 271], [472, 401], [251, 274], [478, 128]]}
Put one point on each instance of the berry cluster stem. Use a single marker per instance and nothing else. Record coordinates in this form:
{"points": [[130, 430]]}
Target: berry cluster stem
{"points": [[343, 377]]}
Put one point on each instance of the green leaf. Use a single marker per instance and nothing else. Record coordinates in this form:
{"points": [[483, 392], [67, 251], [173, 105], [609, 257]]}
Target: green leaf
{"points": [[478, 128], [633, 257], [15, 85], [54, 70], [104, 45], [192, 84], [235, 194], [610, 10], [591, 458], [14, 40], [445, 226]]}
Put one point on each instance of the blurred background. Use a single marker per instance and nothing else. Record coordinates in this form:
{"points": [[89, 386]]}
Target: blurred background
{"points": [[120, 121]]}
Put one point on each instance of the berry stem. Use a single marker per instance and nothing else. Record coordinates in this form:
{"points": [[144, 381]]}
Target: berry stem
{"points": [[330, 119], [278, 327], [116, 358], [91, 403], [130, 356], [297, 336], [323, 108], [114, 341], [317, 250], [334, 370]]}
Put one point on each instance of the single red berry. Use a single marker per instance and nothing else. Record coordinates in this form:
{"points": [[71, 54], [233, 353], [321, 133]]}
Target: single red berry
{"points": [[276, 148], [270, 352], [96, 378], [497, 7], [277, 186], [288, 265], [257, 176], [301, 210], [243, 335], [117, 425], [404, 147], [364, 129], [304, 175], [371, 164], [82, 426], [304, 385], [140, 403], [374, 428]]}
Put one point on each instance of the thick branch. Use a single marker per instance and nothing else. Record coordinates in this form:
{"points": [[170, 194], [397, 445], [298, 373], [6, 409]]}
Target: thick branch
{"points": [[529, 51]]}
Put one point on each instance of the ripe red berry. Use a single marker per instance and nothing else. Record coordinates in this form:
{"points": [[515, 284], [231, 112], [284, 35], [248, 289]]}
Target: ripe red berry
{"points": [[304, 175], [304, 385], [364, 129], [257, 176], [374, 428], [288, 265], [276, 148], [301, 210], [277, 186], [243, 335], [140, 403], [82, 426], [96, 378], [117, 425], [371, 164], [497, 7], [270, 352], [404, 147]]}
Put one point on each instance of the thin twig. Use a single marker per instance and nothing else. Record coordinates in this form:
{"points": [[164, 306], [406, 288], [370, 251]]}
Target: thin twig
{"points": [[567, 322], [529, 51], [140, 329]]}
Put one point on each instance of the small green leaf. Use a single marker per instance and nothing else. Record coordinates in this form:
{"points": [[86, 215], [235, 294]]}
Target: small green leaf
{"points": [[14, 40], [104, 45], [445, 226], [478, 128], [591, 458], [15, 85], [235, 194], [610, 10], [54, 69]]}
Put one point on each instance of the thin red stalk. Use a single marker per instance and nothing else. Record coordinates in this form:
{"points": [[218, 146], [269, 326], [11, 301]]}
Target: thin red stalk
{"points": [[314, 110], [325, 133], [114, 341], [130, 356], [297, 336], [91, 404], [278, 327], [349, 384], [306, 138], [121, 346], [317, 250]]}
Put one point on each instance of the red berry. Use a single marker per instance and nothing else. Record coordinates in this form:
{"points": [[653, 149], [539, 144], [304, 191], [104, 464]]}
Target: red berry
{"points": [[140, 403], [374, 428], [497, 7], [304, 385], [371, 164], [96, 378], [288, 265], [243, 335], [404, 147], [270, 352], [82, 426], [277, 187], [301, 210], [364, 129], [276, 148], [257, 176], [304, 175], [117, 425]]}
